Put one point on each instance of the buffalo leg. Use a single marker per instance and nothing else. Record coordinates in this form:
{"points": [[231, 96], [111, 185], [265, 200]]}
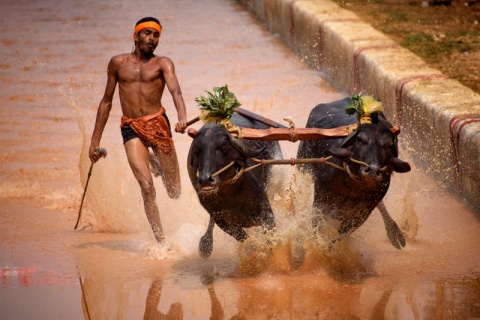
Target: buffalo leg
{"points": [[322, 230], [205, 246], [394, 233], [318, 221], [268, 222], [237, 232]]}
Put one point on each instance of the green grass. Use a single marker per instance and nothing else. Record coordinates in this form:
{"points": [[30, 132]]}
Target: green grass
{"points": [[426, 45]]}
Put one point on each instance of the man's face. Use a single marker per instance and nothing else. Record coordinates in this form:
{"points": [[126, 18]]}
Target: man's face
{"points": [[147, 40]]}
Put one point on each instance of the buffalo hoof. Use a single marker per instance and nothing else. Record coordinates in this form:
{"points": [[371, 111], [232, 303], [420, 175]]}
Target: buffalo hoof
{"points": [[205, 247]]}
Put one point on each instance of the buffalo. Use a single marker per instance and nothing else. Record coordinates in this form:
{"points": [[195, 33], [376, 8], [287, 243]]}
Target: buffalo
{"points": [[235, 199], [345, 198]]}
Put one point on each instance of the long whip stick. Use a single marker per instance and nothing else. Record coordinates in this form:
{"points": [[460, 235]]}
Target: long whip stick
{"points": [[103, 151]]}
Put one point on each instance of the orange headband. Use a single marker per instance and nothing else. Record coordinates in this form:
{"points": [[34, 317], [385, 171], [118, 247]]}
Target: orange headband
{"points": [[148, 24]]}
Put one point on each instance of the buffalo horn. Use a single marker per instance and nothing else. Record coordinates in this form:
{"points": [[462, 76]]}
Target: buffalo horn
{"points": [[243, 149]]}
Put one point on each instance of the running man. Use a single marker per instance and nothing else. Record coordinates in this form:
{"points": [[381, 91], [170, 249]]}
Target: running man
{"points": [[141, 78]]}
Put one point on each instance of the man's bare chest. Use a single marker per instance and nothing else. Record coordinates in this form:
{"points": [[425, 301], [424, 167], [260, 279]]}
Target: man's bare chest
{"points": [[135, 72]]}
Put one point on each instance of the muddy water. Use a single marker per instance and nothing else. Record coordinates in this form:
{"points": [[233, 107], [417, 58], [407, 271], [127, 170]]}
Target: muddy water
{"points": [[53, 71]]}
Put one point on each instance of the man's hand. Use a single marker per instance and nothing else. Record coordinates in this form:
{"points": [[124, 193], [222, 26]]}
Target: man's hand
{"points": [[181, 126], [96, 153]]}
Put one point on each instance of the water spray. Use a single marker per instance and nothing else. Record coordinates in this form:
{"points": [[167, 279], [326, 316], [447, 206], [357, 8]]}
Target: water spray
{"points": [[103, 152]]}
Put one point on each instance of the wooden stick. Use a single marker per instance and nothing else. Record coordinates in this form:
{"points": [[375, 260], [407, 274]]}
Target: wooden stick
{"points": [[103, 152], [83, 197], [189, 123], [84, 298]]}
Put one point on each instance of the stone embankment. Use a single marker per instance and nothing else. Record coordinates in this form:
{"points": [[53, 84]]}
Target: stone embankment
{"points": [[439, 116]]}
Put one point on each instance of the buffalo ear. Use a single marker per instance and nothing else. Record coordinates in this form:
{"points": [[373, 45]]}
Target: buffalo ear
{"points": [[190, 156], [400, 166], [394, 148], [341, 152]]}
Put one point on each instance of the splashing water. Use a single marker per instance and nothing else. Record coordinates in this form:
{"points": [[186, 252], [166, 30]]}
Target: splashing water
{"points": [[294, 245]]}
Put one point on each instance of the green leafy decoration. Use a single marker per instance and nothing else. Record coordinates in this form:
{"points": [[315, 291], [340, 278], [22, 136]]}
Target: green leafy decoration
{"points": [[367, 108], [356, 106], [218, 105]]}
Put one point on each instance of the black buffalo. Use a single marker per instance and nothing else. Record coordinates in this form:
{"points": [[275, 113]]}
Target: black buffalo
{"points": [[347, 197], [233, 200]]}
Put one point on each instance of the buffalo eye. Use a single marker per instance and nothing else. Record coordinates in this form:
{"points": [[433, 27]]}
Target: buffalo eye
{"points": [[224, 145], [362, 139], [387, 145]]}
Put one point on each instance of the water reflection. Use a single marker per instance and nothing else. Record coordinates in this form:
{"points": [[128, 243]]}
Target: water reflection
{"points": [[328, 284], [126, 286], [457, 298], [84, 300], [175, 312], [313, 295]]}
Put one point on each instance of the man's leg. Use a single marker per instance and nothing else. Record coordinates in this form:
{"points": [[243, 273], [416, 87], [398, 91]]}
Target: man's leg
{"points": [[138, 159], [171, 172], [155, 166]]}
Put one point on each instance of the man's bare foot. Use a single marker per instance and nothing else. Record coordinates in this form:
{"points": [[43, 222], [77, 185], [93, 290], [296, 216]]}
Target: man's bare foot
{"points": [[162, 250]]}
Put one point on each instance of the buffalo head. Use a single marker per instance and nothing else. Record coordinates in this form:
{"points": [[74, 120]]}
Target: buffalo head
{"points": [[370, 152], [215, 148]]}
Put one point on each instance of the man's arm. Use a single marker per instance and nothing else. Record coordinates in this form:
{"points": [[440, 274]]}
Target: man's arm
{"points": [[103, 111], [174, 87]]}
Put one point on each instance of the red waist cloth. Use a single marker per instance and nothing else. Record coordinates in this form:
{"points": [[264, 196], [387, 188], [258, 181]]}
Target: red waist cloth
{"points": [[153, 130]]}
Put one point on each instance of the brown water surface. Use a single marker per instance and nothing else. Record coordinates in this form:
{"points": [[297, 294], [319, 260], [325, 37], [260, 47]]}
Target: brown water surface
{"points": [[54, 56]]}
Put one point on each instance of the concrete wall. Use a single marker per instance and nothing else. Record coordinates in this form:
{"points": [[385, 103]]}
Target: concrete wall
{"points": [[439, 116]]}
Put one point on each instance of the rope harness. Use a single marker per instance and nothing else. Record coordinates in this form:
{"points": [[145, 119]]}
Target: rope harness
{"points": [[293, 162]]}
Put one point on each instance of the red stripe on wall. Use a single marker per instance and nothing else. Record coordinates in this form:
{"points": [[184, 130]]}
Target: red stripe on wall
{"points": [[402, 82], [456, 126]]}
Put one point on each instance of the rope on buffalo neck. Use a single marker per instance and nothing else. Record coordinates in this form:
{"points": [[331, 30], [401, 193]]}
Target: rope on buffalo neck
{"points": [[384, 168], [223, 169], [234, 179], [293, 162], [237, 176]]}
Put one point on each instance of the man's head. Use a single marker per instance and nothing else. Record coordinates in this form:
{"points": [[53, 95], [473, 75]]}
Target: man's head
{"points": [[147, 34], [147, 22]]}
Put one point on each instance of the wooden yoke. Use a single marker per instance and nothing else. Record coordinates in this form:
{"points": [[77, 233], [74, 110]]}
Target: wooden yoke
{"points": [[298, 134], [286, 133]]}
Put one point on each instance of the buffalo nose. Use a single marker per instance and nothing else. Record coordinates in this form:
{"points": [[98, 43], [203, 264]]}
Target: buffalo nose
{"points": [[205, 180], [372, 170]]}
